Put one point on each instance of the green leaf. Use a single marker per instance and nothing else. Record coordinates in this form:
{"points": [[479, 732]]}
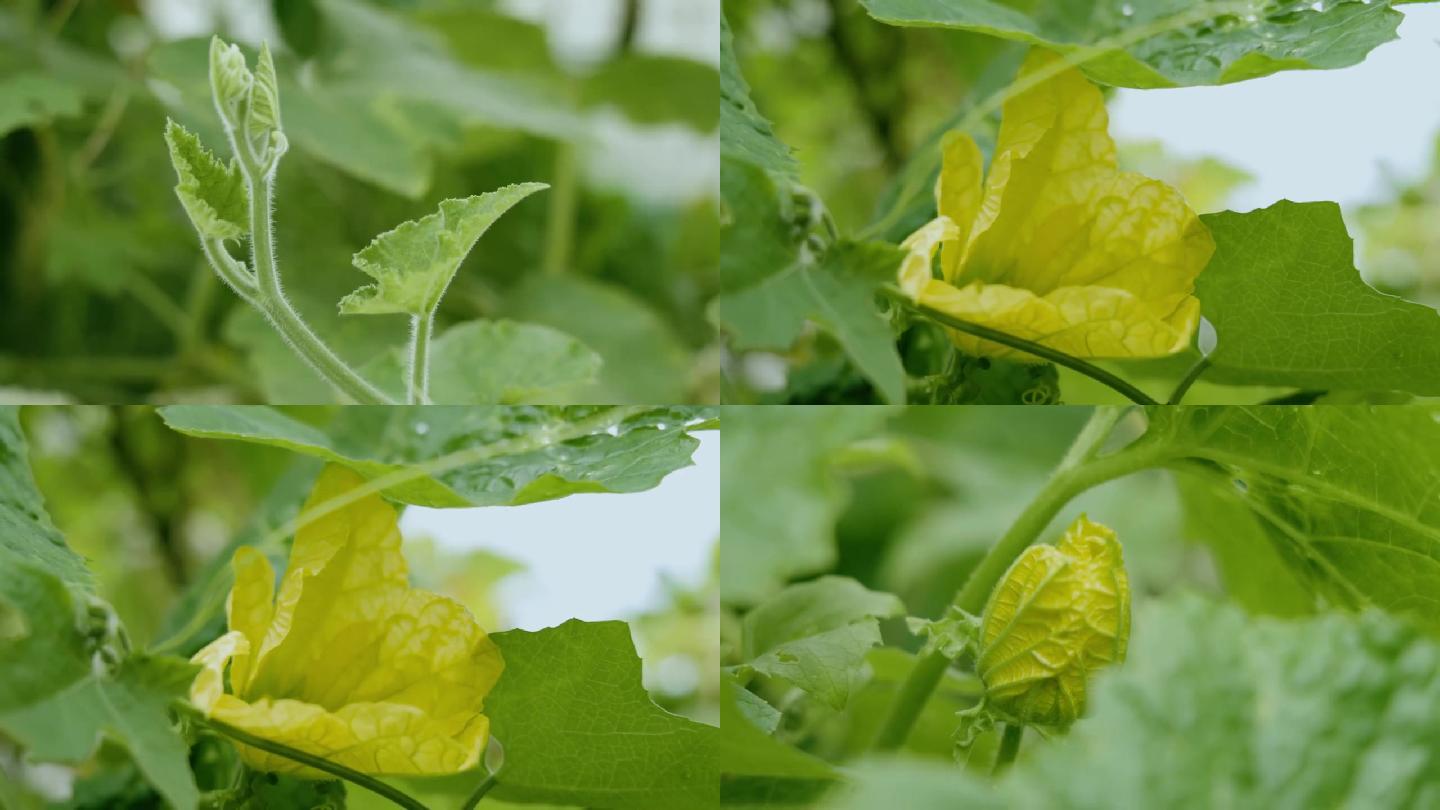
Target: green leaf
{"points": [[1334, 711], [26, 533], [780, 507], [27, 99], [515, 455], [57, 704], [579, 728], [264, 118], [645, 360], [745, 135], [213, 193], [1345, 495], [815, 635], [1211, 42], [1290, 308], [838, 295], [230, 81], [490, 362], [414, 263]]}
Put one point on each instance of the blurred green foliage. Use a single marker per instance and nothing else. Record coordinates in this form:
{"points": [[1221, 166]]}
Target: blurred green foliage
{"points": [[390, 107]]}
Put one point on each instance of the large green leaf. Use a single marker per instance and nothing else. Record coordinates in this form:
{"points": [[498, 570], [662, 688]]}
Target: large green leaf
{"points": [[1346, 495], [645, 361], [780, 499], [28, 98], [513, 455], [1216, 709], [26, 533], [745, 135], [579, 728], [759, 239], [1170, 43], [490, 362], [838, 295], [59, 693], [1290, 309], [413, 264]]}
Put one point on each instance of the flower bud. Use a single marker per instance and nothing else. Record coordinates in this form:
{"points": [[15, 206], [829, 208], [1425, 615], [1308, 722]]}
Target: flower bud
{"points": [[1059, 614]]}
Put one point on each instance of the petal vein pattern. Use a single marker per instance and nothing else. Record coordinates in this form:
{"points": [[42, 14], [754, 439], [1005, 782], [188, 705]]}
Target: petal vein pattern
{"points": [[1059, 246], [349, 662]]}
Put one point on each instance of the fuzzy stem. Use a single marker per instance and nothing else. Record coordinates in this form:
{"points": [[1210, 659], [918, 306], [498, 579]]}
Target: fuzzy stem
{"points": [[272, 302], [1081, 471], [420, 329], [564, 201]]}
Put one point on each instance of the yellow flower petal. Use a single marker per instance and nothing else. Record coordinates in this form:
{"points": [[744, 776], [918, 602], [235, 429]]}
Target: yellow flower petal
{"points": [[1060, 613], [354, 665], [1063, 248], [921, 246], [250, 608]]}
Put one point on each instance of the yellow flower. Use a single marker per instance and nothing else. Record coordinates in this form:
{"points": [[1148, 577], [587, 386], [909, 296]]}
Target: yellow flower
{"points": [[1059, 247], [349, 663], [1060, 613]]}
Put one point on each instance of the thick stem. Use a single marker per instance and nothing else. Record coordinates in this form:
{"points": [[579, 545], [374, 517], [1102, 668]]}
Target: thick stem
{"points": [[564, 201], [235, 275], [276, 308], [1044, 352], [1080, 472], [419, 388], [366, 781], [1009, 746]]}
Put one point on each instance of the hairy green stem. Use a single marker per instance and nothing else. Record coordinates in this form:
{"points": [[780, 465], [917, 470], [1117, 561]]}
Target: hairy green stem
{"points": [[1009, 746], [276, 307], [420, 330], [485, 787], [235, 275], [1081, 471], [1059, 358], [366, 781]]}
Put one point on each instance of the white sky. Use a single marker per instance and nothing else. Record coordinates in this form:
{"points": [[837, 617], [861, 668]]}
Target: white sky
{"points": [[595, 556], [1308, 135]]}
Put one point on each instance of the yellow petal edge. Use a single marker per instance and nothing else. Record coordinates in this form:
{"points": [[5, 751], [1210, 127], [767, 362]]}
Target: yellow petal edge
{"points": [[1060, 613], [349, 662], [1059, 246]]}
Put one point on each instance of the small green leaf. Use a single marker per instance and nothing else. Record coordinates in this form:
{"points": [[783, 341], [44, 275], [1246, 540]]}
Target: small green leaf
{"points": [[230, 81], [809, 608], [263, 120], [414, 263], [214, 194], [496, 362], [748, 752], [578, 727]]}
